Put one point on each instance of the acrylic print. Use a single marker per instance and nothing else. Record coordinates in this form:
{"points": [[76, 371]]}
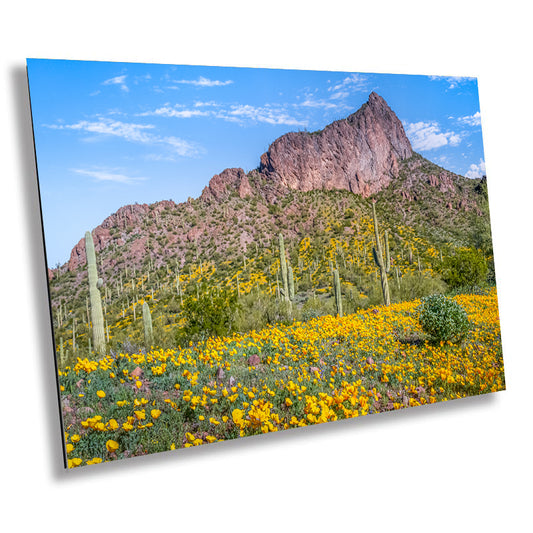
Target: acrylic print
{"points": [[238, 251]]}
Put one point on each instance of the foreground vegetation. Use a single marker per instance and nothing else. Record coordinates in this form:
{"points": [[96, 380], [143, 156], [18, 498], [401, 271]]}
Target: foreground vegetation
{"points": [[281, 377]]}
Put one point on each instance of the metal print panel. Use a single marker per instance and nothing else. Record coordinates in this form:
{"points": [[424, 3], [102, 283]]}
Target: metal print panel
{"points": [[237, 251]]}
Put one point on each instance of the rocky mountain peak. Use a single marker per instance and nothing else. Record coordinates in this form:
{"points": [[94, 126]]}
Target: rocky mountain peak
{"points": [[360, 153]]}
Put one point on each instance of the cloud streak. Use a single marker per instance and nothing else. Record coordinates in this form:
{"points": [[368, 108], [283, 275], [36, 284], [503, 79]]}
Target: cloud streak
{"points": [[311, 102], [453, 81], [175, 112], [264, 114], [240, 113], [471, 120], [204, 82], [117, 80], [104, 175], [428, 136], [352, 83], [135, 133]]}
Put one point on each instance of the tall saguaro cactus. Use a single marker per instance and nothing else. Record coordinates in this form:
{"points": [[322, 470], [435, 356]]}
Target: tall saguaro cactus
{"points": [[337, 290], [62, 357], [97, 316], [383, 264], [284, 270], [74, 336], [291, 283], [147, 319]]}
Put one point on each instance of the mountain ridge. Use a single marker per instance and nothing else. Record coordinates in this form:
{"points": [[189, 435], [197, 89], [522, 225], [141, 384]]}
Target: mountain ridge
{"points": [[365, 154]]}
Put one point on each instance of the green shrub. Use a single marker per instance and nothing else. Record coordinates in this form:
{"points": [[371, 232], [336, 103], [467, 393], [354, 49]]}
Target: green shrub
{"points": [[315, 307], [211, 314], [257, 312], [466, 268], [443, 319]]}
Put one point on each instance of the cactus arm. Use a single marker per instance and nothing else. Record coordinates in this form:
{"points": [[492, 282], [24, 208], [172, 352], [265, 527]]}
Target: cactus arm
{"points": [[377, 258]]}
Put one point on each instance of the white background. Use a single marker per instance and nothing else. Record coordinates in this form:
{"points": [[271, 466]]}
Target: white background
{"points": [[464, 466]]}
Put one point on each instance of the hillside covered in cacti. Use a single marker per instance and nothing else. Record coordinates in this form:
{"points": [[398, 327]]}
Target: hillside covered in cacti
{"points": [[302, 256]]}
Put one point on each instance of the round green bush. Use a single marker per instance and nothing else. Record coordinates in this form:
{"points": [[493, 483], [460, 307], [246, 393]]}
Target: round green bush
{"points": [[443, 319]]}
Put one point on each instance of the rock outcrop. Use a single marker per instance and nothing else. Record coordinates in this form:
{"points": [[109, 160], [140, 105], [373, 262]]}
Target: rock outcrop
{"points": [[228, 181], [126, 216], [360, 153]]}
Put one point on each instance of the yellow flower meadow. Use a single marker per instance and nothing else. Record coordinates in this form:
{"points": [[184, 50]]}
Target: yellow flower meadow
{"points": [[325, 369]]}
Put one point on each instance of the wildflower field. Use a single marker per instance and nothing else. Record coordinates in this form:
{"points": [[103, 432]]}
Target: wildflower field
{"points": [[281, 377]]}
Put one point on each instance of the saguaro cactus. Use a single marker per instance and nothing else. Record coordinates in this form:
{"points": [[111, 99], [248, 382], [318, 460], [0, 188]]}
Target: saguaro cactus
{"points": [[74, 336], [398, 278], [147, 319], [291, 283], [62, 357], [284, 270], [383, 264], [97, 315], [337, 290]]}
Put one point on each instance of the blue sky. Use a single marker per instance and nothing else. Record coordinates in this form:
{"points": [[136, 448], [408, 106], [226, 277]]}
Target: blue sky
{"points": [[111, 134]]}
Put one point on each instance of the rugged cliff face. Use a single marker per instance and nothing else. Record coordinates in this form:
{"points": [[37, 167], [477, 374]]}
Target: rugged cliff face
{"points": [[360, 153]]}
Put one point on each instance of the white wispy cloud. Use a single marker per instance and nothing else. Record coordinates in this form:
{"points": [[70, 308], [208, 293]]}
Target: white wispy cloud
{"points": [[471, 120], [141, 78], [428, 136], [453, 81], [338, 92], [265, 114], [106, 175], [176, 112], [476, 171], [105, 126], [319, 103], [240, 113], [136, 133], [117, 80], [211, 103], [339, 95], [353, 82], [204, 82]]}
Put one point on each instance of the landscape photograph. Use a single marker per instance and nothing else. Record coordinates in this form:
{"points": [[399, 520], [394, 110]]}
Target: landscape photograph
{"points": [[237, 251]]}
